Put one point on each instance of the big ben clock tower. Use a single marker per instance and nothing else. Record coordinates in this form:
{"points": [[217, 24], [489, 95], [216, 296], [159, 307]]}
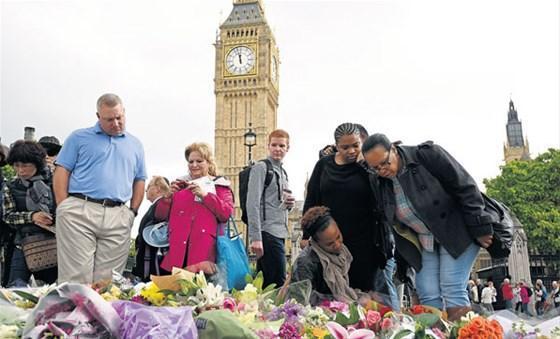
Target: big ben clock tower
{"points": [[246, 87]]}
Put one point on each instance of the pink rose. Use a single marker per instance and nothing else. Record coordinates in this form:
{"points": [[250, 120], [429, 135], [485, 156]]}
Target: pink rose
{"points": [[229, 304], [386, 324], [373, 318]]}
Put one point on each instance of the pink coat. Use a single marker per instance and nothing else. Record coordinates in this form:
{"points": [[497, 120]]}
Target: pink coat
{"points": [[525, 299], [192, 226]]}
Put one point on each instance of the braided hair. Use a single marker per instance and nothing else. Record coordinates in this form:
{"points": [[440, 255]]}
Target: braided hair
{"points": [[346, 128], [315, 220]]}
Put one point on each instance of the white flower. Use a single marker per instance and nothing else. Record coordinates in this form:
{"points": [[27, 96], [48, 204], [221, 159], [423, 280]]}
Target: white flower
{"points": [[8, 331], [139, 287], [209, 296], [469, 316]]}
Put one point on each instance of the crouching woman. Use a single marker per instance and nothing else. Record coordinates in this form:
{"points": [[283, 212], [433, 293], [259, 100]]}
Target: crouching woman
{"points": [[326, 261]]}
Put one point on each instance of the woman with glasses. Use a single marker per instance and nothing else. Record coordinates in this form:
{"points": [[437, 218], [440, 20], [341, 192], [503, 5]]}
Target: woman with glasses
{"points": [[341, 183], [437, 214], [29, 207]]}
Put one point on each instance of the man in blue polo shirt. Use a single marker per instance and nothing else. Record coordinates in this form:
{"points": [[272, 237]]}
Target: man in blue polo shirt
{"points": [[98, 170]]}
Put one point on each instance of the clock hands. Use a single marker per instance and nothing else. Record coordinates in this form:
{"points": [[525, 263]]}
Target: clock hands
{"points": [[240, 61]]}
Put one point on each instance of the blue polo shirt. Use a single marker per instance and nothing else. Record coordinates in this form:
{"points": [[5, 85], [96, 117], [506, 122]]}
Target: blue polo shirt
{"points": [[102, 166]]}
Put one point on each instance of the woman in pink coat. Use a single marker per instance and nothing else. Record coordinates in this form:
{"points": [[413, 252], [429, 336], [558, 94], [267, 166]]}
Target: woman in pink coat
{"points": [[201, 201]]}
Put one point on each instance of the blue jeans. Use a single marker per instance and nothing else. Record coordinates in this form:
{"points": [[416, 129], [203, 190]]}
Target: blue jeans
{"points": [[443, 279], [389, 271]]}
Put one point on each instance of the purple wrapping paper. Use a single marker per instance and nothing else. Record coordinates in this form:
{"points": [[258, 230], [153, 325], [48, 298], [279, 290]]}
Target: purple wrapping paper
{"points": [[142, 321]]}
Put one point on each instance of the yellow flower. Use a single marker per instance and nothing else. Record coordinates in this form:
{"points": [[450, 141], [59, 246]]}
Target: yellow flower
{"points": [[153, 295], [319, 332], [109, 297], [115, 291], [247, 318]]}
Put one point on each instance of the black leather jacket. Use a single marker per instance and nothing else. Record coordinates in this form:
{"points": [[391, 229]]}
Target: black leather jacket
{"points": [[444, 196]]}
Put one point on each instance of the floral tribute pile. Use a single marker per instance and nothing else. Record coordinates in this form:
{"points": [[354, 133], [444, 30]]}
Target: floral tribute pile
{"points": [[186, 305]]}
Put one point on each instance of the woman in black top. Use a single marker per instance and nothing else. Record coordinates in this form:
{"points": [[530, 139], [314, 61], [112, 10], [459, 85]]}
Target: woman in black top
{"points": [[341, 183]]}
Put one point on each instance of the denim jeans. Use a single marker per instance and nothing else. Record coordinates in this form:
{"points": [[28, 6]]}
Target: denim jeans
{"points": [[443, 279], [19, 274], [273, 262], [389, 271], [508, 305]]}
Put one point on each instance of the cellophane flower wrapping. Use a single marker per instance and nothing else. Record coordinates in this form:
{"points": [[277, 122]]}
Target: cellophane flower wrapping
{"points": [[142, 321]]}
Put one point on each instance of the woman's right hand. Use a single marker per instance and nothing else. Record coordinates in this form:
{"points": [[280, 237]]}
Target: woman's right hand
{"points": [[42, 219], [207, 267], [485, 240], [177, 185]]}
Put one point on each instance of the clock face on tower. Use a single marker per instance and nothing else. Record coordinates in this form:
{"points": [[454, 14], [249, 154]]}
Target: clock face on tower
{"points": [[240, 60]]}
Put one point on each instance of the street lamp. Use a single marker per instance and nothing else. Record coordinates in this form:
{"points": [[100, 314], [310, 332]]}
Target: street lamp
{"points": [[250, 140]]}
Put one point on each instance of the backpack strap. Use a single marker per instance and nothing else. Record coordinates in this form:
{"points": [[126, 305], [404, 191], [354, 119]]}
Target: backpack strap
{"points": [[267, 181]]}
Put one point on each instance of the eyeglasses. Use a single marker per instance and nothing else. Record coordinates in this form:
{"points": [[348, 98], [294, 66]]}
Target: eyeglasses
{"points": [[383, 164]]}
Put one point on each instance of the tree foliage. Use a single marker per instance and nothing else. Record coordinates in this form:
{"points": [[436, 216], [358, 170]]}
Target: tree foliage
{"points": [[8, 172], [532, 191]]}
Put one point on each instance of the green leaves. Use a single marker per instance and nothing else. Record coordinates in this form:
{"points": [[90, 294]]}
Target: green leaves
{"points": [[346, 321], [27, 296], [531, 189]]}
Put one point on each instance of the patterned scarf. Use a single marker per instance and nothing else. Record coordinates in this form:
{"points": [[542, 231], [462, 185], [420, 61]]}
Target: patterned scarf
{"points": [[335, 272], [39, 196]]}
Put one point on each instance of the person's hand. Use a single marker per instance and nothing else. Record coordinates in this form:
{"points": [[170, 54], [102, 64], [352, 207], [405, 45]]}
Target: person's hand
{"points": [[303, 243], [207, 267], [196, 189], [50, 162], [289, 201], [328, 150], [485, 240], [42, 219], [177, 185], [257, 248]]}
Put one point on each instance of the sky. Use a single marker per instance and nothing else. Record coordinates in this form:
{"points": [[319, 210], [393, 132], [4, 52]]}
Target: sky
{"points": [[436, 70]]}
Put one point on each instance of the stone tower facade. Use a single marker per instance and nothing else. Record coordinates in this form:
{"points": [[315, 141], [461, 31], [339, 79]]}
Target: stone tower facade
{"points": [[515, 148], [246, 87]]}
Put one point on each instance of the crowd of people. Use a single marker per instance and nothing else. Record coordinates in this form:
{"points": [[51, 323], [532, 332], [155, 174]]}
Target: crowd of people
{"points": [[375, 210], [520, 297]]}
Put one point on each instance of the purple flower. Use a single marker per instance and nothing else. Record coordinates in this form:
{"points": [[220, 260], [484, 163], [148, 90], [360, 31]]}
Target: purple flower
{"points": [[139, 299], [290, 311], [288, 331]]}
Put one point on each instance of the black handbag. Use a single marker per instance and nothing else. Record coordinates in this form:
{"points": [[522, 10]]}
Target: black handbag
{"points": [[503, 229]]}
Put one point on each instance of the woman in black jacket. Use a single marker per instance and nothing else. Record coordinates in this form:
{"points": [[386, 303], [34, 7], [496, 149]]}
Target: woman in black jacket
{"points": [[438, 217], [29, 207]]}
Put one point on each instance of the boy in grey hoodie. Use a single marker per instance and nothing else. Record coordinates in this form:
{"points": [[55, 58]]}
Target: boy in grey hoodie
{"points": [[267, 210]]}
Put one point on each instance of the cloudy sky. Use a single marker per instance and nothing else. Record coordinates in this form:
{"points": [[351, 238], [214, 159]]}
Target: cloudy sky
{"points": [[415, 70]]}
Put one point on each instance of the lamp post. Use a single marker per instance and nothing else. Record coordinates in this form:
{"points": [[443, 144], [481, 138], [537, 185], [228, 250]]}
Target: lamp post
{"points": [[250, 140]]}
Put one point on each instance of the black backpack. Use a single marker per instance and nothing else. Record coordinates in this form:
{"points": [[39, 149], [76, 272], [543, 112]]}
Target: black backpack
{"points": [[529, 291], [244, 187]]}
